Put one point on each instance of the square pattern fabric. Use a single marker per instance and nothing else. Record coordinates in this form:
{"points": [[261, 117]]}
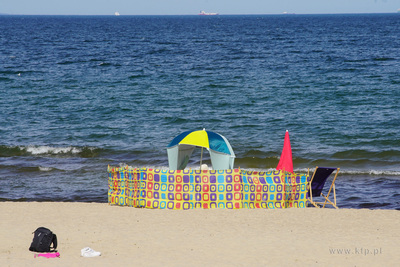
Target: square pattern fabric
{"points": [[207, 189]]}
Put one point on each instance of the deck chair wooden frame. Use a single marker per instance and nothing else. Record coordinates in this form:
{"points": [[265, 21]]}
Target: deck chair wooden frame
{"points": [[331, 188]]}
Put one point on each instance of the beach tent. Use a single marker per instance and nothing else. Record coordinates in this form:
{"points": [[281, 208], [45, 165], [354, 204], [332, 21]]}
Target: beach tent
{"points": [[181, 148]]}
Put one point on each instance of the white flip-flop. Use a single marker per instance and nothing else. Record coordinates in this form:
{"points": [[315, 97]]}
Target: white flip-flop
{"points": [[89, 252]]}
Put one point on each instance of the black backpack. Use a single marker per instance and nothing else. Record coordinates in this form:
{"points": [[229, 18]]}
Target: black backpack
{"points": [[42, 240]]}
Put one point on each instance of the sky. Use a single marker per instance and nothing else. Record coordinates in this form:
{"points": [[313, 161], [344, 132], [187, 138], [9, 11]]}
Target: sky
{"points": [[193, 7]]}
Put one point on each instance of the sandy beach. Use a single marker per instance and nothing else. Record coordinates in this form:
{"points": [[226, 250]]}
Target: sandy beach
{"points": [[219, 237]]}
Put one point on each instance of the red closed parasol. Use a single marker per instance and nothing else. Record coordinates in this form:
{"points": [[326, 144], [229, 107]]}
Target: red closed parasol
{"points": [[286, 161]]}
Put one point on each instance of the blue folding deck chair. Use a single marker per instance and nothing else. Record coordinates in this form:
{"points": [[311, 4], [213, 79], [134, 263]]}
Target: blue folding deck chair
{"points": [[317, 183]]}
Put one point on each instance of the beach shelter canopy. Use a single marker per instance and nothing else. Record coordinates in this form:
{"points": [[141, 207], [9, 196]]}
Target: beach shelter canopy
{"points": [[181, 148]]}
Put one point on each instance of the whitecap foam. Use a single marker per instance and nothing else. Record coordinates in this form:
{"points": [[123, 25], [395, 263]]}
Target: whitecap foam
{"points": [[40, 150], [389, 173], [45, 169]]}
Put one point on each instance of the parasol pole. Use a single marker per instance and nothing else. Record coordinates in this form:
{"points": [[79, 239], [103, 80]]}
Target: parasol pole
{"points": [[201, 157]]}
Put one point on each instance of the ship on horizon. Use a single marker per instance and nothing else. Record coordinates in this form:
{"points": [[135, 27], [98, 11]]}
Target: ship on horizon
{"points": [[203, 13]]}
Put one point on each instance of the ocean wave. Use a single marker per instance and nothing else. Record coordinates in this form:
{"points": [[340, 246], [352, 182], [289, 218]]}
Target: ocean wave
{"points": [[104, 64], [366, 154], [372, 172], [138, 76], [45, 169], [27, 169], [45, 150], [383, 59]]}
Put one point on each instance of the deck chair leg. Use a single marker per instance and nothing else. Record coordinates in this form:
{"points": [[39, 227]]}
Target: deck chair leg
{"points": [[310, 188], [330, 202], [334, 191], [312, 201], [315, 205]]}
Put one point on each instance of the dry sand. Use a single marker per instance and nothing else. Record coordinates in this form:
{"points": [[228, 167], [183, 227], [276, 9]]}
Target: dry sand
{"points": [[143, 237]]}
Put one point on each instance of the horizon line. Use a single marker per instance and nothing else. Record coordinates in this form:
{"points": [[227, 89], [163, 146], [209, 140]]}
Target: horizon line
{"points": [[219, 14]]}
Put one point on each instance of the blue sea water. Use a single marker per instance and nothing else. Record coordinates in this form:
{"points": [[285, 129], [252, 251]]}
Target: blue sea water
{"points": [[79, 93]]}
